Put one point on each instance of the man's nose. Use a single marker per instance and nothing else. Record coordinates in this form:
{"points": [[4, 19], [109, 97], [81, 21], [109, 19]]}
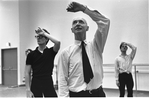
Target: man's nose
{"points": [[78, 23]]}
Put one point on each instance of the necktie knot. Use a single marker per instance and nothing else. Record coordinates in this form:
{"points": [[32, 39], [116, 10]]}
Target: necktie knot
{"points": [[82, 43], [83, 46]]}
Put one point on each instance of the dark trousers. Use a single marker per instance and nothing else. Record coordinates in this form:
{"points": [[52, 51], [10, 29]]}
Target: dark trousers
{"points": [[126, 79], [43, 87], [94, 93]]}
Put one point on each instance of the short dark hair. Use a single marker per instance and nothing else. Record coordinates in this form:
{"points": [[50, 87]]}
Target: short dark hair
{"points": [[122, 45]]}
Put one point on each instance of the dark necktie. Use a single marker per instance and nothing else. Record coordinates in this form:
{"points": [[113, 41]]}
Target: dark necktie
{"points": [[87, 70]]}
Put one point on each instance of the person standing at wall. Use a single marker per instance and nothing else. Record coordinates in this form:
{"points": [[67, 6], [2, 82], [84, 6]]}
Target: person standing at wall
{"points": [[123, 69], [80, 71], [41, 62]]}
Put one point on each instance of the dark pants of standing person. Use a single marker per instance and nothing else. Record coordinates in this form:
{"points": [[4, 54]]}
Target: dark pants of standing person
{"points": [[125, 79], [94, 93], [43, 87]]}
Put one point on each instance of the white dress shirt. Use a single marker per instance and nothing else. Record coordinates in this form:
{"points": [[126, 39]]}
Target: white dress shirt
{"points": [[123, 64], [70, 69]]}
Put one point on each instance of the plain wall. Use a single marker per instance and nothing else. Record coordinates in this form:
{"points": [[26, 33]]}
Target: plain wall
{"points": [[9, 26], [25, 38]]}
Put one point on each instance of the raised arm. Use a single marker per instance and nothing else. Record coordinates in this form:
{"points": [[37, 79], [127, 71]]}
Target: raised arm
{"points": [[102, 22], [55, 41], [103, 28], [51, 38], [133, 48]]}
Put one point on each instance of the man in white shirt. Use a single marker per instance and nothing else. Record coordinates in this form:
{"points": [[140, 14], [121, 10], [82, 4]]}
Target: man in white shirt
{"points": [[123, 69], [71, 81]]}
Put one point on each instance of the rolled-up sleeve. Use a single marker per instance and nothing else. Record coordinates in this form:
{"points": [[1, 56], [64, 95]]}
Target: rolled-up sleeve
{"points": [[103, 28], [63, 90]]}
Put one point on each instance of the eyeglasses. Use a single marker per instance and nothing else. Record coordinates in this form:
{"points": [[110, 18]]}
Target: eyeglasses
{"points": [[39, 37]]}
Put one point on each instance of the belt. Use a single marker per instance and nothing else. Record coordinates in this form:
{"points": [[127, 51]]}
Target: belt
{"points": [[125, 72], [88, 91], [94, 90]]}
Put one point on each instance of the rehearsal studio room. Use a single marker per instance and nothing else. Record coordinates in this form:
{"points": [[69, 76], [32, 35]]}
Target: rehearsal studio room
{"points": [[20, 18]]}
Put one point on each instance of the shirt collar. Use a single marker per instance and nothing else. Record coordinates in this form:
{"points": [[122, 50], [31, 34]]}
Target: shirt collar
{"points": [[77, 42], [38, 50]]}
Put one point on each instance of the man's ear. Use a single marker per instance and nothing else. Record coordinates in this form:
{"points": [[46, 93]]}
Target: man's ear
{"points": [[72, 30], [87, 28]]}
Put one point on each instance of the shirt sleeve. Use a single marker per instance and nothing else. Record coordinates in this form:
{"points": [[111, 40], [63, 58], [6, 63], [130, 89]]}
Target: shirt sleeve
{"points": [[63, 75], [29, 59], [133, 52], [103, 28], [54, 53], [116, 69]]}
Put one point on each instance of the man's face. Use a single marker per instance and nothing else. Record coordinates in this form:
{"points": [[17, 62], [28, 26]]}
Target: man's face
{"points": [[79, 25], [41, 39], [124, 48]]}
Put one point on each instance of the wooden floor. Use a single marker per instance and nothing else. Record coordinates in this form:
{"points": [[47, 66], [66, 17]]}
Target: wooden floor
{"points": [[20, 92]]}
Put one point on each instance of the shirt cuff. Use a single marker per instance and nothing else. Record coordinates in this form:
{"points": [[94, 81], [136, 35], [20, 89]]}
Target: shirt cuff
{"points": [[86, 10]]}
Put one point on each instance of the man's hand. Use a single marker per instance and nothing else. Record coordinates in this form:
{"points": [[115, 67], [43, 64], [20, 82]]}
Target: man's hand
{"points": [[117, 83], [75, 7], [29, 94], [40, 31]]}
